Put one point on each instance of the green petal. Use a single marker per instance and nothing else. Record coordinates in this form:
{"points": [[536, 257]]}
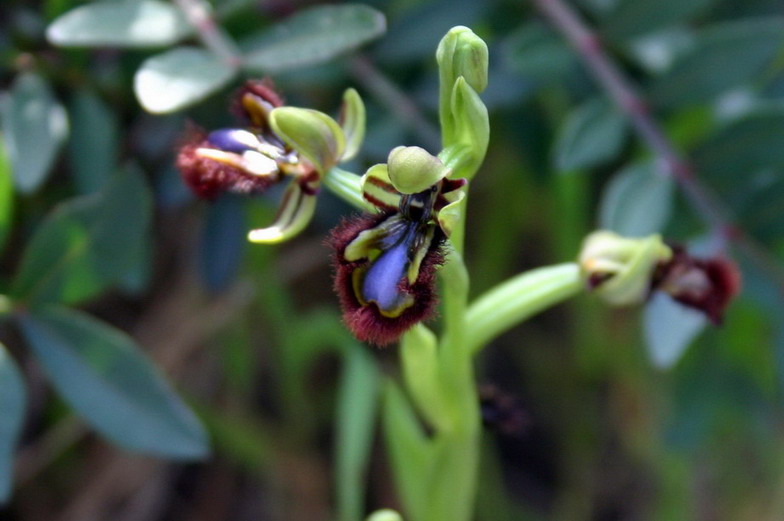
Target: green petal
{"points": [[377, 189], [296, 210], [313, 134], [450, 214], [352, 121]]}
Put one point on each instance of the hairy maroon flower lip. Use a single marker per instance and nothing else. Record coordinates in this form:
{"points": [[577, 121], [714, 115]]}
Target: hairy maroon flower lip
{"points": [[367, 312], [707, 285]]}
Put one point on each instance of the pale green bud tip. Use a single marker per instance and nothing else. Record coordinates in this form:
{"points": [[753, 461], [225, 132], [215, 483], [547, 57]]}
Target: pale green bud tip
{"points": [[413, 169], [466, 54], [385, 515], [620, 269]]}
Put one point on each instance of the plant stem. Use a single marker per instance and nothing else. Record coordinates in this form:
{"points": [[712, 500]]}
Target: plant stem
{"points": [[519, 298], [346, 185], [714, 212], [199, 15]]}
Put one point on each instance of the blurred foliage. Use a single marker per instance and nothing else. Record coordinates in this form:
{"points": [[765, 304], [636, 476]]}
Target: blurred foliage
{"points": [[100, 237]]}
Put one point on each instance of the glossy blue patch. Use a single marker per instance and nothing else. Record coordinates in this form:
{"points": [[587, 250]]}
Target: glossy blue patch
{"points": [[231, 139], [381, 280]]}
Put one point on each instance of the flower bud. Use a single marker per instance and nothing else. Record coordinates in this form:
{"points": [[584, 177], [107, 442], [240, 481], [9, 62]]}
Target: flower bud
{"points": [[620, 269], [463, 53]]}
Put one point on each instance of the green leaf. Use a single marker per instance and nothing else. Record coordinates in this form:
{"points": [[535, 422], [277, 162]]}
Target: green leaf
{"points": [[410, 452], [35, 127], [6, 194], [669, 328], [85, 244], [355, 419], [724, 56], [636, 17], [178, 78], [637, 201], [538, 53], [13, 400], [126, 23], [103, 375], [313, 36], [92, 148], [744, 147], [592, 134]]}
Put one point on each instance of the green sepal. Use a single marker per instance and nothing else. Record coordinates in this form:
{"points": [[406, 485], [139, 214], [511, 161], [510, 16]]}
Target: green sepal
{"points": [[412, 169], [472, 129], [460, 53], [295, 212], [377, 188], [352, 121], [621, 268], [313, 134]]}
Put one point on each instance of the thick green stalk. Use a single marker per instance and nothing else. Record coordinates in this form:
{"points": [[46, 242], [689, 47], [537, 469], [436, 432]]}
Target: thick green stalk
{"points": [[519, 298], [346, 185]]}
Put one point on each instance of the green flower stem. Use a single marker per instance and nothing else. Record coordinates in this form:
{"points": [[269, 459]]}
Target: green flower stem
{"points": [[519, 298], [345, 185]]}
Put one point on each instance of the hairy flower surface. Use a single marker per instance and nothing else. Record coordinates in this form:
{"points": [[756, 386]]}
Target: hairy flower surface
{"points": [[707, 285], [385, 264]]}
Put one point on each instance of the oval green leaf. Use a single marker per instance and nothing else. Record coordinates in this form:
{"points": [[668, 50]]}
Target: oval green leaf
{"points": [[13, 400], [724, 56], [92, 147], [637, 201], [313, 36], [127, 23], [636, 17], [669, 329], [178, 78], [743, 147], [592, 134], [85, 244], [103, 375], [35, 126]]}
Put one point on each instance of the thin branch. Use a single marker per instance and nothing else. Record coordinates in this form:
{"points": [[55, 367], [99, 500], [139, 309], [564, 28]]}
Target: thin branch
{"points": [[199, 15], [716, 214], [396, 101]]}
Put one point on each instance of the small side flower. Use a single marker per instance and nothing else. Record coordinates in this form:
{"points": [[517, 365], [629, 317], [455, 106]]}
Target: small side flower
{"points": [[628, 270]]}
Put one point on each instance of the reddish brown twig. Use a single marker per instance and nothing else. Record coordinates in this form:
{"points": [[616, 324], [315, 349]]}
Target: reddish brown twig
{"points": [[703, 199]]}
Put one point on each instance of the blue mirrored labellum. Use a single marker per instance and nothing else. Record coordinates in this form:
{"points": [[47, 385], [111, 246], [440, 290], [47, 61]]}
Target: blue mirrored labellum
{"points": [[382, 279], [233, 140]]}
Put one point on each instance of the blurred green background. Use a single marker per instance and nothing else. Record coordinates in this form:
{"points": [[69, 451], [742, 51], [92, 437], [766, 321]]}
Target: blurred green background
{"points": [[251, 335]]}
